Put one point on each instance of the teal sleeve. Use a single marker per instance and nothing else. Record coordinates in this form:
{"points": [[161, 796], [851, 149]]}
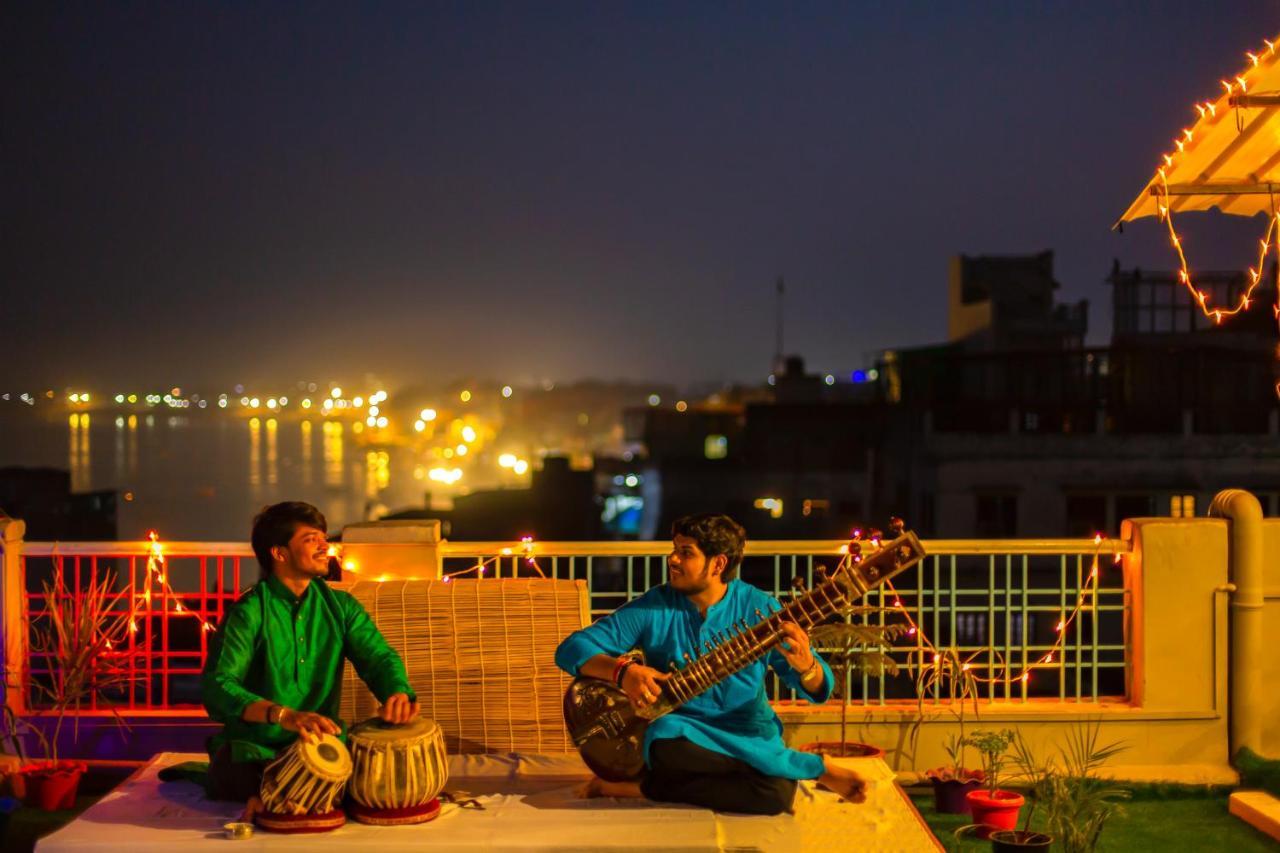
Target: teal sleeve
{"points": [[613, 635], [791, 678], [227, 663], [376, 663]]}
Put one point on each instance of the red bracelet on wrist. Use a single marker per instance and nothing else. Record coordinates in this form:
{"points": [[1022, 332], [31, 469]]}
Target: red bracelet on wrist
{"points": [[620, 670]]}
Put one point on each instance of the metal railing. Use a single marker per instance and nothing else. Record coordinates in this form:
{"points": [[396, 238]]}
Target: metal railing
{"points": [[996, 603]]}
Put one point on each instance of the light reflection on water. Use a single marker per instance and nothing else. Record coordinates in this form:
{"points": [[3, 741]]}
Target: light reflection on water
{"points": [[204, 479]]}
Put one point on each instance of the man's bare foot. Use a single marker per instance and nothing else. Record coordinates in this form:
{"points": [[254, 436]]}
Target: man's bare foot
{"points": [[589, 789], [597, 787], [845, 782]]}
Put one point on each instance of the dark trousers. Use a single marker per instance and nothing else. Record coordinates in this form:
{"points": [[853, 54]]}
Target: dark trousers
{"points": [[680, 771], [233, 780]]}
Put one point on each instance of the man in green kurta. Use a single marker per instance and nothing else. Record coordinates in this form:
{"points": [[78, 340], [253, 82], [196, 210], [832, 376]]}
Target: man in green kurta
{"points": [[274, 670]]}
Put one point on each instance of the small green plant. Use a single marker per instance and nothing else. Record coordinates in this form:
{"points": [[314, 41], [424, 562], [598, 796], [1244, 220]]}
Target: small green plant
{"points": [[855, 648], [994, 748], [81, 640], [948, 676], [1075, 803]]}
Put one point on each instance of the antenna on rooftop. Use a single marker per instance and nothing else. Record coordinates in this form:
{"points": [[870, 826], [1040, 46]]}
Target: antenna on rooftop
{"points": [[777, 355]]}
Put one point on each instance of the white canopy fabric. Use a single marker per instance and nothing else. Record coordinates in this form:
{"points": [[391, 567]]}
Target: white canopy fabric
{"points": [[1229, 159]]}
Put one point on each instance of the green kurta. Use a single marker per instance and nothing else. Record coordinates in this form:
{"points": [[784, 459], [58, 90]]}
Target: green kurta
{"points": [[274, 645]]}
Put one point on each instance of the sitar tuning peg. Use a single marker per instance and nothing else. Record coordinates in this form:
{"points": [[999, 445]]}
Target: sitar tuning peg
{"points": [[897, 525], [798, 584], [875, 536], [821, 571]]}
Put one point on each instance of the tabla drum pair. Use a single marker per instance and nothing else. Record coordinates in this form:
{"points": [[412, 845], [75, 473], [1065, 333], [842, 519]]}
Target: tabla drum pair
{"points": [[391, 775]]}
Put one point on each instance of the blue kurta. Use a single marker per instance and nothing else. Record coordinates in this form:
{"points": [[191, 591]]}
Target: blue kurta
{"points": [[733, 717]]}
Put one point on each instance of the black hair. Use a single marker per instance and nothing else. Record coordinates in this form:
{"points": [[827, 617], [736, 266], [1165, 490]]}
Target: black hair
{"points": [[275, 526], [715, 534]]}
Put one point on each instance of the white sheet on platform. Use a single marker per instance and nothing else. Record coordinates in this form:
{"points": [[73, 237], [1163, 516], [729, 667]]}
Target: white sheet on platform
{"points": [[529, 805]]}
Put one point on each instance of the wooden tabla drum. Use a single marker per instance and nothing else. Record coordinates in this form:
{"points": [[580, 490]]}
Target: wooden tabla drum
{"points": [[302, 789], [398, 771]]}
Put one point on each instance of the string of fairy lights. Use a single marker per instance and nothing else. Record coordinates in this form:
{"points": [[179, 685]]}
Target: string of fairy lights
{"points": [[1183, 145], [1001, 672], [155, 575]]}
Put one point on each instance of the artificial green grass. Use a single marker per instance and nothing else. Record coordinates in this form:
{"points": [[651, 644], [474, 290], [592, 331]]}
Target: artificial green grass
{"points": [[1199, 822], [26, 825]]}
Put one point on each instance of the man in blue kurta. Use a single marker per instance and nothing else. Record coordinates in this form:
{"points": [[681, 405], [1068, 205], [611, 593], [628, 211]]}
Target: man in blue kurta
{"points": [[274, 669], [722, 749]]}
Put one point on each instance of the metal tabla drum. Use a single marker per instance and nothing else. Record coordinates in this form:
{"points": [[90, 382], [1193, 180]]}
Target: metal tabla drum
{"points": [[398, 771], [302, 789]]}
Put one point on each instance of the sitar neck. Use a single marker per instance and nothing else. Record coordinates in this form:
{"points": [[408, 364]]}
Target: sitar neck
{"points": [[745, 644]]}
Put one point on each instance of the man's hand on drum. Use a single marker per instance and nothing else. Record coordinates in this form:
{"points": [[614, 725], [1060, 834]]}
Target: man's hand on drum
{"points": [[309, 725], [643, 684], [399, 708]]}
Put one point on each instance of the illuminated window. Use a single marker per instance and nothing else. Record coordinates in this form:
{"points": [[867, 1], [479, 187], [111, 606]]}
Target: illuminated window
{"points": [[716, 447], [1182, 506], [773, 505]]}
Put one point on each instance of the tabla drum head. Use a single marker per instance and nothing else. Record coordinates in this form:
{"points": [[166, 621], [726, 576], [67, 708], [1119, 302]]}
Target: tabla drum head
{"points": [[376, 730], [328, 757]]}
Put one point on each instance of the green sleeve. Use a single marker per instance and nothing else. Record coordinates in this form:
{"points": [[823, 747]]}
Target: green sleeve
{"points": [[227, 664], [376, 663]]}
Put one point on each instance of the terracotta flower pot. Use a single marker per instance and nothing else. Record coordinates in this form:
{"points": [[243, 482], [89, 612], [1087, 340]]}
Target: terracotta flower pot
{"points": [[998, 810], [949, 794], [1015, 841], [52, 785]]}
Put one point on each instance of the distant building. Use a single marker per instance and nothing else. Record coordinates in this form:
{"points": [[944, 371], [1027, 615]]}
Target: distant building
{"points": [[999, 434], [42, 498], [561, 504], [1011, 428]]}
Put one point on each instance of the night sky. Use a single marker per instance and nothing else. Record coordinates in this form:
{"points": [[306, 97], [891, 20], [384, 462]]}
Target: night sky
{"points": [[205, 194]]}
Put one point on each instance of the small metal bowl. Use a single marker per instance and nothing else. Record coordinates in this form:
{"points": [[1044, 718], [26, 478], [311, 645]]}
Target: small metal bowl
{"points": [[238, 831]]}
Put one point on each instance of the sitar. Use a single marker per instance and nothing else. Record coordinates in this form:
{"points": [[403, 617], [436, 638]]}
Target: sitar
{"points": [[608, 729]]}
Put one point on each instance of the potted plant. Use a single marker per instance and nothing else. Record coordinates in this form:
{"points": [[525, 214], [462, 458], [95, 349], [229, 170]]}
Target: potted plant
{"points": [[992, 807], [854, 648], [1074, 804], [950, 676], [80, 640]]}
